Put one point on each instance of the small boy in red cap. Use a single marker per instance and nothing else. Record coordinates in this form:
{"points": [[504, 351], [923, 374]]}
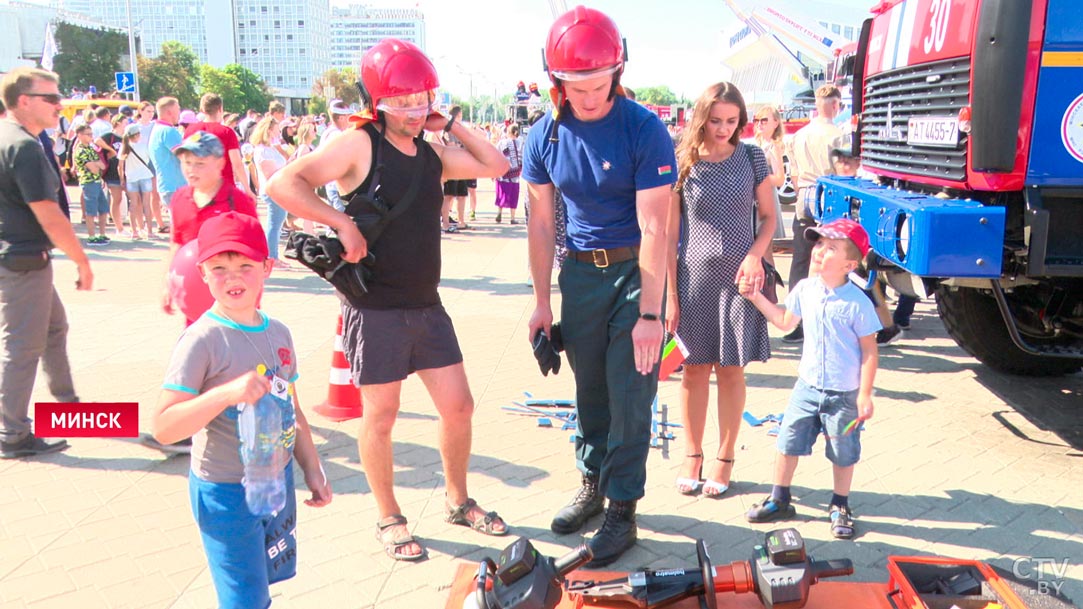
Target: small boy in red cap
{"points": [[234, 354], [833, 393]]}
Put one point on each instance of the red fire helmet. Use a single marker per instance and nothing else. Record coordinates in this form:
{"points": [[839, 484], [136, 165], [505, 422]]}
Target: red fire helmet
{"points": [[583, 43], [396, 67]]}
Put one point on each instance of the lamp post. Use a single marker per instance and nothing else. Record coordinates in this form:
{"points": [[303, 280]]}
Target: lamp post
{"points": [[131, 48]]}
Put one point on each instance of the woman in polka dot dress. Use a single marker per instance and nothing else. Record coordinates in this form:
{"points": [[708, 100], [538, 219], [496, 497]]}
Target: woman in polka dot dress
{"points": [[722, 188]]}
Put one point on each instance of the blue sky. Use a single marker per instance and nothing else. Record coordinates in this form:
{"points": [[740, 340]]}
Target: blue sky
{"points": [[496, 43]]}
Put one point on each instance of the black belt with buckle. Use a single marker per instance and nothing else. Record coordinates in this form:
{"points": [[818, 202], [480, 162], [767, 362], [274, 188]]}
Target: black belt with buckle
{"points": [[604, 258]]}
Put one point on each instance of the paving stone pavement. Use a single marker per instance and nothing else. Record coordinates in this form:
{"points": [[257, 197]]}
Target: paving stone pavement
{"points": [[955, 461]]}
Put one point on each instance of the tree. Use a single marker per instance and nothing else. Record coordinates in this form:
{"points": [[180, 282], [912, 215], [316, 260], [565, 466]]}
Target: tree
{"points": [[88, 57], [656, 96], [175, 73], [254, 91], [226, 85], [335, 84]]}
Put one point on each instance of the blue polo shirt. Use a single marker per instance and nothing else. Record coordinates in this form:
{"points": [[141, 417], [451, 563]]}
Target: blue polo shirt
{"points": [[598, 166], [834, 320], [163, 139]]}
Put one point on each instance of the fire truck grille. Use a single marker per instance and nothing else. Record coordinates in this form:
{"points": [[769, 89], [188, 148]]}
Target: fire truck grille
{"points": [[892, 98]]}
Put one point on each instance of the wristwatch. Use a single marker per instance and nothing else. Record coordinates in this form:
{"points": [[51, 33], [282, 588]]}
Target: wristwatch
{"points": [[648, 316]]}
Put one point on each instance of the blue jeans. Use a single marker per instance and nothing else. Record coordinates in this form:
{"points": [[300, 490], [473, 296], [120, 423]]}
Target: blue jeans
{"points": [[95, 199], [333, 197], [276, 217], [813, 411]]}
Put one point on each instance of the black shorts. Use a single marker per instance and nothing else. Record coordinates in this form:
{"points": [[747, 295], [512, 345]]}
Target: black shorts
{"points": [[455, 188], [387, 345], [472, 183]]}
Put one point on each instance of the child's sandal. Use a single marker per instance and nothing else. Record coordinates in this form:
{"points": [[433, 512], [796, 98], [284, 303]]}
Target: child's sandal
{"points": [[842, 522]]}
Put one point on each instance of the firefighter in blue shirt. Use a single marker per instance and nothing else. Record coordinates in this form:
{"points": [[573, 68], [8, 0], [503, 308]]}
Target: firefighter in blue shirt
{"points": [[613, 162]]}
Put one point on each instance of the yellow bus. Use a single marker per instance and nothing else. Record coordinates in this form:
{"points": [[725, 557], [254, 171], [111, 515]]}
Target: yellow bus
{"points": [[76, 106]]}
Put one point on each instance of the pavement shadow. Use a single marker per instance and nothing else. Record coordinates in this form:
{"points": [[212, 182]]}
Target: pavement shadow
{"points": [[1040, 534], [418, 466], [1049, 403]]}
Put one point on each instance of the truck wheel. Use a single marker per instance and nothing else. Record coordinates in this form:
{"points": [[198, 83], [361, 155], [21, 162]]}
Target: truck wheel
{"points": [[972, 318]]}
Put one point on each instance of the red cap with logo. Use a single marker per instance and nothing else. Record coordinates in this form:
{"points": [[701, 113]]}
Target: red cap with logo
{"points": [[232, 232], [843, 228]]}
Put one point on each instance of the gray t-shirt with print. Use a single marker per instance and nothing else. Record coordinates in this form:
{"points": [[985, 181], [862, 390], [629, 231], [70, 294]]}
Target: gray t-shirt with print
{"points": [[212, 352]]}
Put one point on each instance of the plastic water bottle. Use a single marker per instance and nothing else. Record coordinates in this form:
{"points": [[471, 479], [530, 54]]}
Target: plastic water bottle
{"points": [[263, 455]]}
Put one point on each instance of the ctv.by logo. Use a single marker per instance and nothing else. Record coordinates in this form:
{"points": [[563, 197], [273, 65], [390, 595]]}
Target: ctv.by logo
{"points": [[1048, 573]]}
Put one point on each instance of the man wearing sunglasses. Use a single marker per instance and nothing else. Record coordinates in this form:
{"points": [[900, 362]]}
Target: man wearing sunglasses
{"points": [[31, 224], [399, 326]]}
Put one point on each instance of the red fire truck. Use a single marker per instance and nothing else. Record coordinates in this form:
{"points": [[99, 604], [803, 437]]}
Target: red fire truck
{"points": [[970, 115]]}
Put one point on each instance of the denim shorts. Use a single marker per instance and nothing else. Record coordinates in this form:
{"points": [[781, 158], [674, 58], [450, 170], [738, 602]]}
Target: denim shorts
{"points": [[144, 185], [813, 411], [94, 199], [387, 345], [239, 545]]}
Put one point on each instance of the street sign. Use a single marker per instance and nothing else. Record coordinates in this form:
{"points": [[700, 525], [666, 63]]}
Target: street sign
{"points": [[125, 82]]}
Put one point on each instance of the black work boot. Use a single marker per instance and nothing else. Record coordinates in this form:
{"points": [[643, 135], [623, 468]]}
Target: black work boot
{"points": [[617, 535], [588, 502]]}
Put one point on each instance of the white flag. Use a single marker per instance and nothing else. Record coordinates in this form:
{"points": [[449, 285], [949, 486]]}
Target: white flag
{"points": [[50, 49]]}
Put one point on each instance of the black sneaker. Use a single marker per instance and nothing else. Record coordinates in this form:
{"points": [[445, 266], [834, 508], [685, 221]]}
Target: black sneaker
{"points": [[31, 446], [797, 336], [888, 336]]}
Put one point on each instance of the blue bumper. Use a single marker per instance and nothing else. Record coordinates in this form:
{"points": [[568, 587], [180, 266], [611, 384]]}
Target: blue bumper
{"points": [[925, 235]]}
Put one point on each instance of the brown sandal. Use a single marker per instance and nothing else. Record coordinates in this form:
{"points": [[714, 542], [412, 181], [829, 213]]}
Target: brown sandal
{"points": [[460, 516], [399, 541]]}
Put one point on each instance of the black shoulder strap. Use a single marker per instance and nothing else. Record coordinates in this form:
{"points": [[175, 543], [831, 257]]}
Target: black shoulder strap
{"points": [[372, 233]]}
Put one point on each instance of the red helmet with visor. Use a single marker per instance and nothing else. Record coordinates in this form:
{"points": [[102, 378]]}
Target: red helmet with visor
{"points": [[583, 43], [394, 68]]}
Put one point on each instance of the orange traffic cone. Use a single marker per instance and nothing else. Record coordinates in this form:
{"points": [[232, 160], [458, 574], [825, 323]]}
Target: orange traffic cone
{"points": [[343, 399]]}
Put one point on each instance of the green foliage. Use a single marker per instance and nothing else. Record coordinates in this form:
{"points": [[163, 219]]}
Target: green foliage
{"points": [[254, 92], [228, 86], [657, 96], [175, 72], [88, 57], [334, 84]]}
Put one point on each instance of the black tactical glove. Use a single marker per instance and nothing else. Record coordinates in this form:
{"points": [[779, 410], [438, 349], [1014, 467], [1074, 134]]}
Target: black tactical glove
{"points": [[547, 356]]}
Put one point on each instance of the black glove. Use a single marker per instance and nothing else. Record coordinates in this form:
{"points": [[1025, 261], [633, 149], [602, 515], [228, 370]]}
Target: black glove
{"points": [[547, 356], [556, 337]]}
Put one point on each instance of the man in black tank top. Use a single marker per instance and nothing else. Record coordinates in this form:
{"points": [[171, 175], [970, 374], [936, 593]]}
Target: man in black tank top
{"points": [[399, 326]]}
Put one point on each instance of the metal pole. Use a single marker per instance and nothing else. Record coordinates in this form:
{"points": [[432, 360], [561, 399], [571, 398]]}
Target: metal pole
{"points": [[131, 48]]}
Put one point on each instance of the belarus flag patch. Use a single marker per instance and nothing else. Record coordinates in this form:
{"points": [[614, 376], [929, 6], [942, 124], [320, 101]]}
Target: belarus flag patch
{"points": [[665, 170]]}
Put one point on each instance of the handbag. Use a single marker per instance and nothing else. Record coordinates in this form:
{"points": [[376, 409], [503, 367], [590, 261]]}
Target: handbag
{"points": [[516, 168], [771, 277]]}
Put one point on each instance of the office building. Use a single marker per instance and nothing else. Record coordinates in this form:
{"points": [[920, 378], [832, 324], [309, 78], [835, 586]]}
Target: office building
{"points": [[356, 28], [286, 43]]}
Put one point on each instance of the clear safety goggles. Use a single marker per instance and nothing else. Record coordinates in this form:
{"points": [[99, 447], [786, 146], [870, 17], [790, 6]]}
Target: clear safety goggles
{"points": [[586, 75], [414, 105]]}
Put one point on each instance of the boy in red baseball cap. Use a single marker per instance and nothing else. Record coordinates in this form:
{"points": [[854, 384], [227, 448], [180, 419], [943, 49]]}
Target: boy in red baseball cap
{"points": [[233, 355], [833, 393]]}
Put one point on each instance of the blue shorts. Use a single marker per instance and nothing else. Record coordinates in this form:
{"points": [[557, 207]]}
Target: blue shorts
{"points": [[245, 553], [144, 185], [814, 411], [94, 199]]}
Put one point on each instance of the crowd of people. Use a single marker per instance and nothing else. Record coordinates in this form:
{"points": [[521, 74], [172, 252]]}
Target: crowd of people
{"points": [[657, 239]]}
